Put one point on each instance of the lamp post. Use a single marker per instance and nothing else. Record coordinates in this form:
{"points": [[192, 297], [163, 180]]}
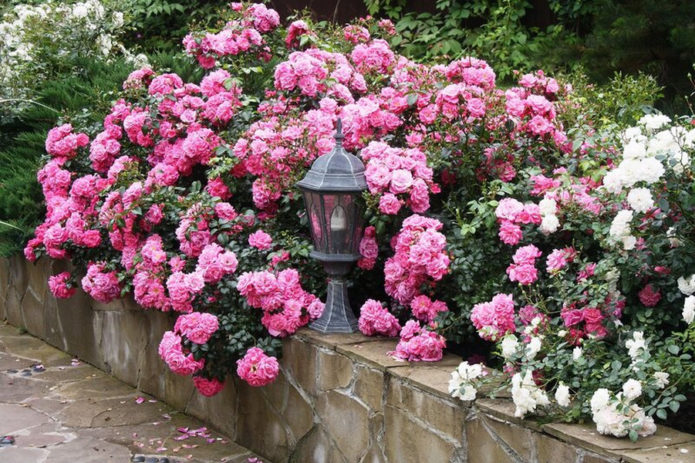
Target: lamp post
{"points": [[331, 189]]}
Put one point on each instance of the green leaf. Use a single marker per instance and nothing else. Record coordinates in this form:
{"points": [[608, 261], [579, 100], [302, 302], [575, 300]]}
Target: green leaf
{"points": [[673, 349], [674, 406], [661, 413]]}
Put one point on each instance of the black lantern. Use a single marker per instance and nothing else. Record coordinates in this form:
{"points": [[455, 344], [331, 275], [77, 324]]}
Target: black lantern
{"points": [[331, 190]]}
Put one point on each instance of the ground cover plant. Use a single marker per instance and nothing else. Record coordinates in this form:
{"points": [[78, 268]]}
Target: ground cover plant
{"points": [[501, 214]]}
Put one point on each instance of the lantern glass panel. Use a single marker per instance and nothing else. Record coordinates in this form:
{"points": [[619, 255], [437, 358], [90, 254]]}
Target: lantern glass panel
{"points": [[314, 205]]}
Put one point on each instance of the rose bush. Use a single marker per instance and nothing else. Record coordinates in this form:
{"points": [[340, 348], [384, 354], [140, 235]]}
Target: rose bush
{"points": [[43, 40], [484, 216]]}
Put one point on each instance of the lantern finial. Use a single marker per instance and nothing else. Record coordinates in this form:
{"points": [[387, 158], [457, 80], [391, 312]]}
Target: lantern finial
{"points": [[339, 133]]}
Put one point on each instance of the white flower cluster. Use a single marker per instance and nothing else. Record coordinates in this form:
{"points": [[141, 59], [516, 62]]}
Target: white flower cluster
{"points": [[687, 287], [462, 379], [648, 150], [550, 222], [562, 395], [55, 29], [620, 229], [616, 416], [637, 345], [526, 395]]}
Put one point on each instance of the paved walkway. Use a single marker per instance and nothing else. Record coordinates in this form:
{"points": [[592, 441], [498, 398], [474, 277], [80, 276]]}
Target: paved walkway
{"points": [[55, 409]]}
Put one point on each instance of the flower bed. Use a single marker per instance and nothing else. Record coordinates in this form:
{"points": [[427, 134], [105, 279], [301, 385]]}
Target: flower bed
{"points": [[491, 212], [338, 398]]}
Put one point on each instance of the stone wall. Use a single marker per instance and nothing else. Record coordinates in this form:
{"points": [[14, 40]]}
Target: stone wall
{"points": [[339, 399]]}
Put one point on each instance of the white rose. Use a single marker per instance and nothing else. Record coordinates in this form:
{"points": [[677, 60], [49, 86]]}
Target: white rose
{"points": [[650, 170], [661, 379], [689, 309], [550, 224], [629, 242], [547, 206], [509, 345], [632, 133], [577, 353], [599, 399], [562, 395], [117, 19], [640, 199], [80, 11], [687, 285], [632, 389], [469, 393], [533, 347], [634, 150], [612, 181], [654, 121], [620, 226]]}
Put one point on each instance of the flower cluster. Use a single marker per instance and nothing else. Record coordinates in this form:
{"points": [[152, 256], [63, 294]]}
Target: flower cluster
{"points": [[376, 320], [524, 270], [256, 368], [419, 344], [511, 214], [462, 382], [420, 254], [179, 360], [286, 306], [494, 319], [398, 177], [616, 415], [244, 34]]}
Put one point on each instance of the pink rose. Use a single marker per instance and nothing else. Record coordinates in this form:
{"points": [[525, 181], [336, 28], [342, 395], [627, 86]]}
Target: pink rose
{"points": [[260, 240], [207, 387], [256, 368]]}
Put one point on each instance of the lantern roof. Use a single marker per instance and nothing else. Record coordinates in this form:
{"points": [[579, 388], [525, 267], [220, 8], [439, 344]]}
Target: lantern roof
{"points": [[338, 171]]}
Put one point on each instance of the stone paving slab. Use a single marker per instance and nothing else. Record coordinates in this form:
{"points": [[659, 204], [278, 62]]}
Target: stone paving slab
{"points": [[60, 410]]}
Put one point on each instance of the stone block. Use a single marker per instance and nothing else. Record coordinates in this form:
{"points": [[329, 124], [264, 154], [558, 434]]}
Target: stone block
{"points": [[374, 455], [681, 453], [32, 311], [298, 414], [406, 441], [374, 353], [4, 285], [53, 333], [152, 369], [260, 427], [549, 450], [504, 410], [316, 446], [346, 421], [177, 389], [80, 332], [369, 387], [444, 416], [433, 377], [518, 440], [482, 447], [586, 437], [299, 358], [335, 370], [19, 273], [593, 458], [13, 309], [123, 340], [218, 410], [332, 340]]}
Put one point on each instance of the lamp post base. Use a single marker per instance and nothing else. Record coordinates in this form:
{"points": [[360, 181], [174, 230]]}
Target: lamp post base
{"points": [[337, 316]]}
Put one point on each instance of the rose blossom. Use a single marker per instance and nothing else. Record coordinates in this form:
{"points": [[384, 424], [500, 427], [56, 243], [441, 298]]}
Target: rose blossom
{"points": [[256, 368]]}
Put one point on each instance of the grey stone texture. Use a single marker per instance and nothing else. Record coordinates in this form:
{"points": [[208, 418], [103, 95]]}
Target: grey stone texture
{"points": [[73, 412], [340, 398]]}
